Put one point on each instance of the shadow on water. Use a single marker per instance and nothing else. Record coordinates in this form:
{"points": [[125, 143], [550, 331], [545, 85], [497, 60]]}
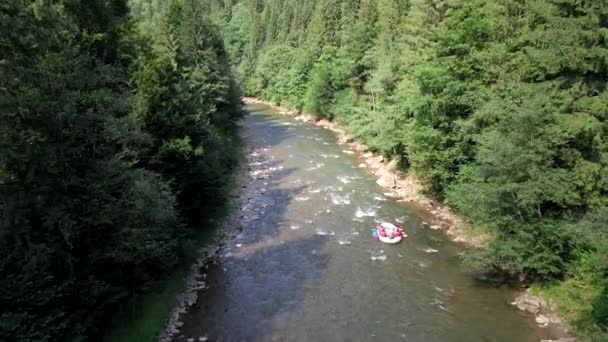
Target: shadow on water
{"points": [[249, 291], [270, 209], [262, 273], [265, 129], [258, 275]]}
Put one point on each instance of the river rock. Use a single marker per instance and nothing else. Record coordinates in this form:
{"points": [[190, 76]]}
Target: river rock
{"points": [[435, 227], [386, 181], [542, 320], [563, 339], [529, 303]]}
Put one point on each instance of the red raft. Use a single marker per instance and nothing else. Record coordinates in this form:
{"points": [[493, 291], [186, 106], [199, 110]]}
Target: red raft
{"points": [[388, 232]]}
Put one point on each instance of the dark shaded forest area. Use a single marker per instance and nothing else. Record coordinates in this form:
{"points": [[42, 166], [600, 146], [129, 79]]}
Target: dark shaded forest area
{"points": [[114, 140]]}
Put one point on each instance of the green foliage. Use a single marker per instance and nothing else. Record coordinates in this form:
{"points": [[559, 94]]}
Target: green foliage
{"points": [[114, 128], [186, 100], [267, 81], [93, 181], [325, 79]]}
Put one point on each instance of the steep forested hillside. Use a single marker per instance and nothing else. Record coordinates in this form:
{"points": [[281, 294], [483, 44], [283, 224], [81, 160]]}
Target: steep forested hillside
{"points": [[501, 107], [113, 141], [117, 132]]}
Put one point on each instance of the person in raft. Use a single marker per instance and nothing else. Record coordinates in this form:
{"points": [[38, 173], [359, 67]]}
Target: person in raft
{"points": [[390, 231]]}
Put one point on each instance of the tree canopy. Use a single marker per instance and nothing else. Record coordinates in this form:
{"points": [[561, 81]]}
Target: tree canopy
{"points": [[113, 140], [117, 128]]}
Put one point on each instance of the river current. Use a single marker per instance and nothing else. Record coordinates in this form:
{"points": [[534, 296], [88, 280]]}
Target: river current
{"points": [[307, 268]]}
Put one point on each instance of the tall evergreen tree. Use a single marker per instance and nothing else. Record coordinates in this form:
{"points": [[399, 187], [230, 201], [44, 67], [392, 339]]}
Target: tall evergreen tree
{"points": [[87, 213]]}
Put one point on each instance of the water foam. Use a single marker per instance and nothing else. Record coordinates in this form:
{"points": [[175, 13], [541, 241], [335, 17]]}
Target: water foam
{"points": [[344, 179], [377, 254], [379, 257], [369, 212], [317, 166], [340, 200]]}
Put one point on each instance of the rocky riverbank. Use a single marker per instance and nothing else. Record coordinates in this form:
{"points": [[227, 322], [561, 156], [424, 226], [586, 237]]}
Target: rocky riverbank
{"points": [[400, 185], [251, 185], [544, 314]]}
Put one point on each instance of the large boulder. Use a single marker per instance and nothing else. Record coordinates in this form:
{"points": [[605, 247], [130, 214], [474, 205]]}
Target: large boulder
{"points": [[529, 303], [387, 181], [542, 320]]}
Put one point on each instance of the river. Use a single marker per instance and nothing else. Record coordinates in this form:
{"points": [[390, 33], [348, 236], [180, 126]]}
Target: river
{"points": [[307, 269]]}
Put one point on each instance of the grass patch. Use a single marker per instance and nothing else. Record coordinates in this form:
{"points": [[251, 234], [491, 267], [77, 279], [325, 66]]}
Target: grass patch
{"points": [[146, 313], [576, 298], [143, 317]]}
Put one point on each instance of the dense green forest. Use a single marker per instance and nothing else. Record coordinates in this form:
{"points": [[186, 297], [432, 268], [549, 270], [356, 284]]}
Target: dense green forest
{"points": [[114, 141], [117, 132], [500, 107]]}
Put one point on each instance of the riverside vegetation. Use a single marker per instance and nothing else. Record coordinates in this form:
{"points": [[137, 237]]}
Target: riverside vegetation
{"points": [[117, 129]]}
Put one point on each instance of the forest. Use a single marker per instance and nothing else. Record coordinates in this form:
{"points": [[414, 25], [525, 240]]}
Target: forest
{"points": [[115, 140], [118, 132], [500, 107]]}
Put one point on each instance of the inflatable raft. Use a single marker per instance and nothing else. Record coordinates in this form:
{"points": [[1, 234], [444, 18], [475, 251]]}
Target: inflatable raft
{"points": [[388, 233]]}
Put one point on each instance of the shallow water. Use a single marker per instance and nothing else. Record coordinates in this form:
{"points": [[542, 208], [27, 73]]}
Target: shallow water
{"points": [[309, 270]]}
